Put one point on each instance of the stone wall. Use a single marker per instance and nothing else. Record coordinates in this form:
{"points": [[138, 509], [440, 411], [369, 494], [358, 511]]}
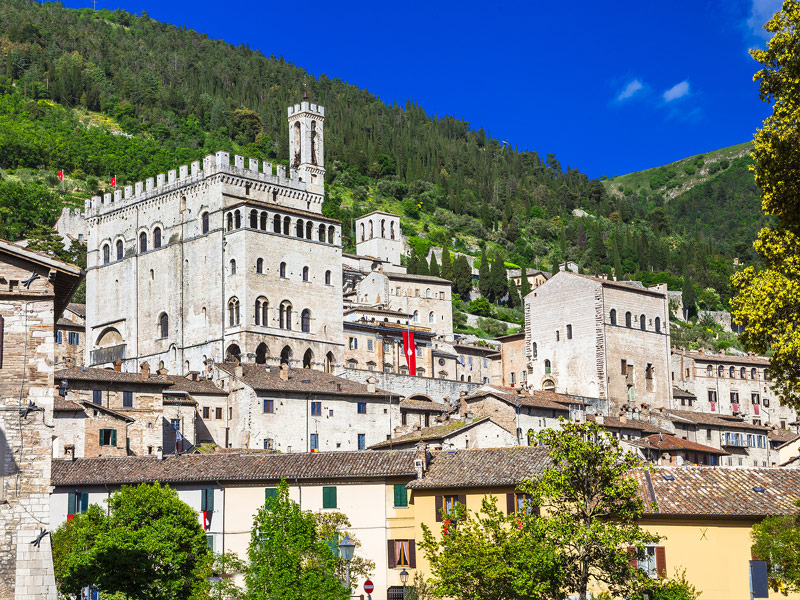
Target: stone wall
{"points": [[438, 390]]}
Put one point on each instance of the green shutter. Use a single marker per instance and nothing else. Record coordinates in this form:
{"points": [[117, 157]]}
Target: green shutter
{"points": [[210, 542], [329, 497], [207, 499], [71, 501], [400, 495], [270, 493], [114, 437], [84, 501]]}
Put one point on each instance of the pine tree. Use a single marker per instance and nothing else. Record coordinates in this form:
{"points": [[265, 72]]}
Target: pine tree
{"points": [[524, 284], [413, 263], [434, 267], [447, 265], [689, 296], [422, 266], [484, 285], [498, 279], [462, 277]]}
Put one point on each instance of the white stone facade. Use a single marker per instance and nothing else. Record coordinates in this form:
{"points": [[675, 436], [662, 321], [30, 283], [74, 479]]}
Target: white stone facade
{"points": [[378, 235], [223, 260]]}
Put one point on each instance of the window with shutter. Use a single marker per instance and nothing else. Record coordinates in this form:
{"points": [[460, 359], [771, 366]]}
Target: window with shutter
{"points": [[84, 503], [207, 499], [400, 496], [402, 554], [72, 502], [268, 494], [661, 561], [329, 497]]}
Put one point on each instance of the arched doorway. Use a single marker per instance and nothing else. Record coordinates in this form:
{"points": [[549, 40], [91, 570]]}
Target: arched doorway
{"points": [[261, 354], [329, 362], [233, 353], [308, 358], [286, 355]]}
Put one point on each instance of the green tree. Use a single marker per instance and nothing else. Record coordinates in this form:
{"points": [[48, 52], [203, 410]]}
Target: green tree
{"points": [[225, 566], [462, 277], [447, 265], [524, 284], [591, 507], [768, 301], [332, 527], [777, 541], [246, 125], [150, 546], [288, 558], [434, 267], [689, 296], [422, 266], [484, 283], [412, 267], [490, 555], [498, 279]]}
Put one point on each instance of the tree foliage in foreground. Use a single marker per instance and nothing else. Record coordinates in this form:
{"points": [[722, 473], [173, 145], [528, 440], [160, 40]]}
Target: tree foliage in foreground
{"points": [[149, 547], [288, 558], [777, 541], [768, 300]]}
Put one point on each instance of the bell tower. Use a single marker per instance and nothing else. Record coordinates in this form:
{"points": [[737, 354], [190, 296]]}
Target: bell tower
{"points": [[306, 142]]}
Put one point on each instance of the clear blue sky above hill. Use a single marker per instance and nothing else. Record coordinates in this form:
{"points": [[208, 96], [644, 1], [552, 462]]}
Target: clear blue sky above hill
{"points": [[609, 87]]}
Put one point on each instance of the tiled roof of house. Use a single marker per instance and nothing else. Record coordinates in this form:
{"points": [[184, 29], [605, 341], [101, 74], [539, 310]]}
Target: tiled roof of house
{"points": [[421, 278], [62, 322], [479, 467], [78, 309], [723, 421], [241, 466], [726, 358], [108, 411], [109, 375], [672, 442], [720, 491], [302, 381], [635, 424], [679, 393], [428, 405], [534, 398], [631, 286], [63, 405], [431, 434], [198, 386], [782, 436]]}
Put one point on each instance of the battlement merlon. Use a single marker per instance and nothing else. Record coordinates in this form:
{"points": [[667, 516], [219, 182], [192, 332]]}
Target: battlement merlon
{"points": [[304, 107], [185, 175]]}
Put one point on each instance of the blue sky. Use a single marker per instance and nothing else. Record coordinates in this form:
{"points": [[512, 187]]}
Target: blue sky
{"points": [[609, 87]]}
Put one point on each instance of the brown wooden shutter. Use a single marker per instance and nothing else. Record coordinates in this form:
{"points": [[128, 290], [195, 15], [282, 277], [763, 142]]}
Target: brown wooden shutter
{"points": [[412, 554], [439, 505], [390, 554], [462, 499], [537, 510], [633, 562], [661, 561], [510, 504]]}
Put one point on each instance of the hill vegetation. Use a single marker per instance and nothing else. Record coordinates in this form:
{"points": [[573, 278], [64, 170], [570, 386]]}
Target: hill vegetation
{"points": [[102, 93]]}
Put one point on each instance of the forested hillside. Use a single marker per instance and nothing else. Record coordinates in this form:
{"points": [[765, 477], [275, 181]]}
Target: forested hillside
{"points": [[101, 93]]}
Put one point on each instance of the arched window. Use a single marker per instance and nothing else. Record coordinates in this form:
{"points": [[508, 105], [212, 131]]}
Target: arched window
{"points": [[743, 373], [305, 273], [642, 322], [547, 367], [261, 315], [331, 234], [658, 324], [287, 226], [233, 311], [163, 325], [327, 277], [732, 372], [428, 292], [204, 219], [156, 238], [628, 319], [321, 232], [276, 224], [233, 353], [230, 221], [286, 315], [753, 373], [298, 229], [309, 230], [721, 371], [260, 265], [371, 230], [535, 350], [431, 317], [415, 318], [233, 266], [263, 221], [143, 242], [106, 254], [569, 332], [383, 228], [120, 250], [308, 358], [305, 321], [613, 316], [362, 232], [238, 218], [282, 270], [286, 355], [391, 229], [710, 371], [329, 362], [261, 354], [253, 219]]}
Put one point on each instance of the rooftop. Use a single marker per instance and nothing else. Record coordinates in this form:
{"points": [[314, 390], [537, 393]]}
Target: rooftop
{"points": [[714, 357], [78, 309], [302, 381], [431, 434], [110, 376], [658, 441], [703, 418], [192, 386], [409, 277], [230, 466], [635, 424], [532, 398]]}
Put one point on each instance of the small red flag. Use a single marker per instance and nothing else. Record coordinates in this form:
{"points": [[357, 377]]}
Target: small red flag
{"points": [[410, 351], [206, 520], [113, 180], [61, 175]]}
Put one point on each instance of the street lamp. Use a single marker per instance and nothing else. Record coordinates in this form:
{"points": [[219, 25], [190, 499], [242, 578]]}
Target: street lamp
{"points": [[404, 581], [346, 547]]}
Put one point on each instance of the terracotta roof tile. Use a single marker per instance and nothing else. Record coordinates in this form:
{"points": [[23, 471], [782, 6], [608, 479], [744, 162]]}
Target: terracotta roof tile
{"points": [[302, 381], [428, 405], [421, 278], [241, 466], [478, 467], [703, 418], [679, 393], [430, 434], [191, 386], [78, 309], [109, 375], [62, 405], [760, 361], [534, 398], [671, 442], [635, 424], [782, 435], [721, 491]]}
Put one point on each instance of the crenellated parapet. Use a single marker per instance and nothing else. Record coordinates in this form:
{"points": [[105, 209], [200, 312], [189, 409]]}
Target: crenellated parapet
{"points": [[251, 170]]}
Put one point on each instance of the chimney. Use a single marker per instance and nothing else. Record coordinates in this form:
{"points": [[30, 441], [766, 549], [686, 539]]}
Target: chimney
{"points": [[160, 453], [599, 419], [238, 371], [370, 387], [421, 459], [284, 374], [69, 450], [68, 362], [118, 365], [145, 370], [162, 371]]}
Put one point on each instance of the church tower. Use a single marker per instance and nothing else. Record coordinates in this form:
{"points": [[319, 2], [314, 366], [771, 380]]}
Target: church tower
{"points": [[306, 143]]}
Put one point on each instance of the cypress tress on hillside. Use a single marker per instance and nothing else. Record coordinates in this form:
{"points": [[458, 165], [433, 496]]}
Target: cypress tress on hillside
{"points": [[484, 285], [447, 265], [524, 284], [434, 266]]}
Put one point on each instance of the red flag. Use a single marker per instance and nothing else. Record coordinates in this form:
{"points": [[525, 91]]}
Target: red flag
{"points": [[410, 351], [61, 175], [205, 520], [113, 180]]}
